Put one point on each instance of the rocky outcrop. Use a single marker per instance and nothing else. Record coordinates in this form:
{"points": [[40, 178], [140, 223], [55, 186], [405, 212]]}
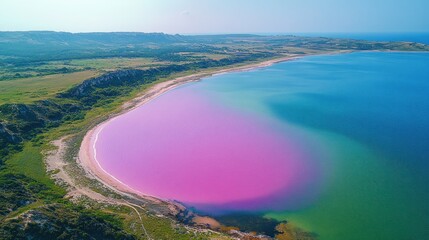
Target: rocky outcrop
{"points": [[7, 136], [116, 78], [127, 77]]}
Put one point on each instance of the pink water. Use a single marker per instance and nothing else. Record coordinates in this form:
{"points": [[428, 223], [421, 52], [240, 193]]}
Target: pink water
{"points": [[185, 147]]}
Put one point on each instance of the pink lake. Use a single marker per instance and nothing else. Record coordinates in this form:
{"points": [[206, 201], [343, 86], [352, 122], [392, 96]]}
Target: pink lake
{"points": [[184, 146]]}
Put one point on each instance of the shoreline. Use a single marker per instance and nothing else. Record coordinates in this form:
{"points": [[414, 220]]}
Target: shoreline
{"points": [[87, 158]]}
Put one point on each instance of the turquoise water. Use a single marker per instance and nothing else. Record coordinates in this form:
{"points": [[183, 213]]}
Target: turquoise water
{"points": [[370, 112]]}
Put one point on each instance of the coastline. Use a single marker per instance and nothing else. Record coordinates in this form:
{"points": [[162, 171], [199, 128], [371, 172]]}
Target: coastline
{"points": [[92, 168], [87, 153]]}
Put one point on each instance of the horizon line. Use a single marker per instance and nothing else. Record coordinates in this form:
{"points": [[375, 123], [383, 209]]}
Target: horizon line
{"points": [[224, 33]]}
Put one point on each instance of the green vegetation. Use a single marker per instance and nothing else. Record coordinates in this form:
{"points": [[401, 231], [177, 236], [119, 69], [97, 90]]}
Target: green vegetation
{"points": [[249, 223], [57, 84], [60, 221], [27, 90], [290, 232]]}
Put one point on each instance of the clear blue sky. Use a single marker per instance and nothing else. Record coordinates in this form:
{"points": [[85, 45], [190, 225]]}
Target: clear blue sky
{"points": [[216, 16]]}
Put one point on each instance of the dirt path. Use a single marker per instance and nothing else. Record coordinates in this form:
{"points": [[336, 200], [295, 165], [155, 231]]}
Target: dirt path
{"points": [[140, 217], [55, 163]]}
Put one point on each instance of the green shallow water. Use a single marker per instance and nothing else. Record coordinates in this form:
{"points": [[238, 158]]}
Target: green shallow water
{"points": [[368, 198]]}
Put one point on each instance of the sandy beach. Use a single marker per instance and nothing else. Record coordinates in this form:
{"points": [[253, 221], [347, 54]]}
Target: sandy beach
{"points": [[87, 152]]}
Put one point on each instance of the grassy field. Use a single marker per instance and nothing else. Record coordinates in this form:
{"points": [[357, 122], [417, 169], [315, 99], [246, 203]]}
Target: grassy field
{"points": [[113, 63], [28, 90]]}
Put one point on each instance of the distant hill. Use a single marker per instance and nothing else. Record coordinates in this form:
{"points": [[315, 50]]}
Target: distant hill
{"points": [[20, 43], [12, 41], [65, 38], [49, 45], [34, 46]]}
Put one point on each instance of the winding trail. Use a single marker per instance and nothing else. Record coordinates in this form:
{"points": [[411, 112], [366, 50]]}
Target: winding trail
{"points": [[140, 217]]}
